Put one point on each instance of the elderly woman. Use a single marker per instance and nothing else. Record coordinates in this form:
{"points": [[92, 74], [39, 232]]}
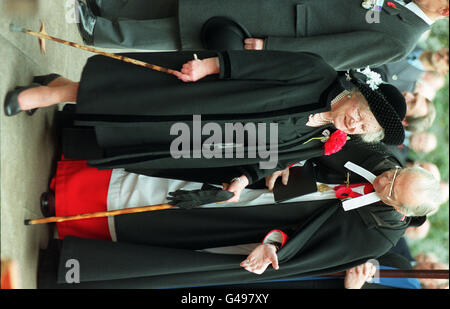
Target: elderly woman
{"points": [[126, 116]]}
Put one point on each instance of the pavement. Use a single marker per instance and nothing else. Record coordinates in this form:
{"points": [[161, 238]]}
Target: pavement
{"points": [[28, 144]]}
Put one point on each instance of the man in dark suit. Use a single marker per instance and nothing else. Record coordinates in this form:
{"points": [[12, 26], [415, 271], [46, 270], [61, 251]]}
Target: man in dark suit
{"points": [[405, 74], [346, 38]]}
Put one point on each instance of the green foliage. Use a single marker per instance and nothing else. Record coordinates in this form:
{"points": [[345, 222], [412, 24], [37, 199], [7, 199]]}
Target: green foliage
{"points": [[438, 36], [437, 241]]}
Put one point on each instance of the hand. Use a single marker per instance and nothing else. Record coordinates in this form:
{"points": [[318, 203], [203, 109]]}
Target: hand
{"points": [[254, 44], [194, 70], [356, 276], [261, 257], [236, 187], [270, 180]]}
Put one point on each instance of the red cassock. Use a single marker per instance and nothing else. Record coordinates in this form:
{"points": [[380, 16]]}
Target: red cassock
{"points": [[81, 189]]}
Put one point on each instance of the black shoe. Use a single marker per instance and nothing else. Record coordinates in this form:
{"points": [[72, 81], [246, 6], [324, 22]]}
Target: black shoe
{"points": [[44, 80], [11, 104], [48, 204], [86, 23]]}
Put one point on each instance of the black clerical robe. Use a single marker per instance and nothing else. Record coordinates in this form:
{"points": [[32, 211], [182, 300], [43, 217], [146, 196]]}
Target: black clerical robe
{"points": [[159, 249], [128, 111], [323, 239]]}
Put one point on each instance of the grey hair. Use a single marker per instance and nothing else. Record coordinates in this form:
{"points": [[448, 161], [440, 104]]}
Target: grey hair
{"points": [[373, 137], [417, 124], [430, 188]]}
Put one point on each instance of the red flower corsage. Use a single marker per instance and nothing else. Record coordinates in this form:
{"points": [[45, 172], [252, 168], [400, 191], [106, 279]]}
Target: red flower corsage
{"points": [[335, 143], [391, 5]]}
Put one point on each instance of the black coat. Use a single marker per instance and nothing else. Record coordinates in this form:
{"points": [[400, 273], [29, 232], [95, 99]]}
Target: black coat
{"points": [[337, 30], [130, 110], [158, 249]]}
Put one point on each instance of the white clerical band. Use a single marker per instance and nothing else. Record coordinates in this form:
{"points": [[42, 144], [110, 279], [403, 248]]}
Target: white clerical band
{"points": [[361, 200], [360, 171]]}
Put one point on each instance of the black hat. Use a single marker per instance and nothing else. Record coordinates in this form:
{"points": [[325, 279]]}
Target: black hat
{"points": [[387, 104], [223, 33]]}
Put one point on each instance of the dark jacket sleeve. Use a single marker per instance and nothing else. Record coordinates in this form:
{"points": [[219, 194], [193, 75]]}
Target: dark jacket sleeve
{"points": [[273, 65], [373, 46], [335, 240], [254, 173]]}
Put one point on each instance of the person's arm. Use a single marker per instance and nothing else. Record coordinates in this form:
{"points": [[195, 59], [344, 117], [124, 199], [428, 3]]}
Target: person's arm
{"points": [[355, 277], [253, 172], [197, 69], [266, 65], [266, 253], [272, 178], [369, 48], [236, 186]]}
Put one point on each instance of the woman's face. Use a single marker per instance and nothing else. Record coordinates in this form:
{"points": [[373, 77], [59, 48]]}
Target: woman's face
{"points": [[353, 116]]}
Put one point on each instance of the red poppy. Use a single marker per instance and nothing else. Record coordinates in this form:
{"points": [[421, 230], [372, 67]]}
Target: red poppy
{"points": [[335, 143], [392, 5], [345, 191]]}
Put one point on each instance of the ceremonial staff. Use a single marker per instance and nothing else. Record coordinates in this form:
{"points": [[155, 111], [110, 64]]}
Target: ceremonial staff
{"points": [[15, 28], [185, 199], [405, 273], [99, 214]]}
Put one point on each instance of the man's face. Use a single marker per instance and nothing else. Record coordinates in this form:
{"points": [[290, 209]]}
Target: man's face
{"points": [[399, 187], [434, 81], [436, 8], [439, 60], [416, 104], [423, 142]]}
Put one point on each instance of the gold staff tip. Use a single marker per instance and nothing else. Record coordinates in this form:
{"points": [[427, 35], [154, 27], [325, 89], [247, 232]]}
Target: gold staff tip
{"points": [[42, 41]]}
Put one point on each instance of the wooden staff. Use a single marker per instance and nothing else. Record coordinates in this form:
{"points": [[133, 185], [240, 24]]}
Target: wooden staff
{"points": [[99, 214], [15, 28], [409, 273]]}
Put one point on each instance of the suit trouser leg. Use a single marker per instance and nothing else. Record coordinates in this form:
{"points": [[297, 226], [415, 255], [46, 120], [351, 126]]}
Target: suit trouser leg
{"points": [[151, 34], [137, 9]]}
